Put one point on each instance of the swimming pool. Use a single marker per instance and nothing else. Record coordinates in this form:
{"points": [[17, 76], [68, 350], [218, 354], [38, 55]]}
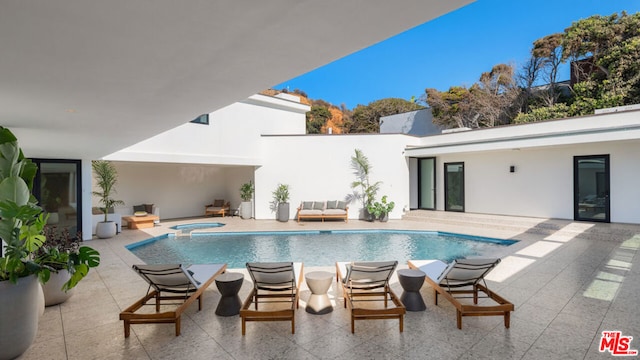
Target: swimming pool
{"points": [[314, 248]]}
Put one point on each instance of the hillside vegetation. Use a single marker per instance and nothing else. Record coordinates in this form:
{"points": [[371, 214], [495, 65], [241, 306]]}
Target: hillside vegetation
{"points": [[604, 55]]}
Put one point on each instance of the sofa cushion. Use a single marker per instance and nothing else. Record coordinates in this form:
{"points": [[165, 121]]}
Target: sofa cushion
{"points": [[341, 205], [332, 204], [318, 205], [307, 205], [334, 212], [310, 212], [137, 208]]}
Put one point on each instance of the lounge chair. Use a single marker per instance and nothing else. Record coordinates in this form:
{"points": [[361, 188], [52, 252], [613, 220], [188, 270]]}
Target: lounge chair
{"points": [[274, 284], [465, 276], [170, 282], [366, 282], [219, 207]]}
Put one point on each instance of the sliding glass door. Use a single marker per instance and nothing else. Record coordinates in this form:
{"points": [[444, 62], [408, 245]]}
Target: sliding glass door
{"points": [[591, 188], [454, 186], [427, 183], [57, 188]]}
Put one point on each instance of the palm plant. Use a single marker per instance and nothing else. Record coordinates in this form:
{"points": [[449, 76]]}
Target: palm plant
{"points": [[362, 168], [106, 179]]}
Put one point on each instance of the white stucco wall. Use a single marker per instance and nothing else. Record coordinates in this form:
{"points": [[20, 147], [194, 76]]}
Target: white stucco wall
{"points": [[542, 185], [231, 138], [318, 168]]}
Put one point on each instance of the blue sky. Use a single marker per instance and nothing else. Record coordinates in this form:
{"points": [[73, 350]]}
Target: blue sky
{"points": [[452, 50]]}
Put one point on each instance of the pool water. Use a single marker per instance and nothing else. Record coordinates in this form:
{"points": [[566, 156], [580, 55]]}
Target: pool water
{"points": [[195, 226], [313, 248]]}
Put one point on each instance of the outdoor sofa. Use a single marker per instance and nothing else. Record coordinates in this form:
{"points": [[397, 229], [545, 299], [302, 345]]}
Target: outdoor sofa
{"points": [[332, 209]]}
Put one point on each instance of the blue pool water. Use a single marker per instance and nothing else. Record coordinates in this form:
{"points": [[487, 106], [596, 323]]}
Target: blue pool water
{"points": [[195, 226], [313, 248]]}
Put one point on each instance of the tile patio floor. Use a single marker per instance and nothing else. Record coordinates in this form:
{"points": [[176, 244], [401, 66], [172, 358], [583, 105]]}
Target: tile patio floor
{"points": [[569, 282]]}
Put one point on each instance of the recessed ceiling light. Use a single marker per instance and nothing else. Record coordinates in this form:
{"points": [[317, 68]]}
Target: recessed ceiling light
{"points": [[71, 110]]}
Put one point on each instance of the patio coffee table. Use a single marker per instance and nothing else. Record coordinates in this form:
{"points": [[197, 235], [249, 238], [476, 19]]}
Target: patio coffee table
{"points": [[319, 283], [411, 282], [229, 285], [140, 222]]}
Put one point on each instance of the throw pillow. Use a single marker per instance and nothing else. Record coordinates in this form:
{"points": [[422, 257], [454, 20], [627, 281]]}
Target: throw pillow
{"points": [[137, 208], [342, 205], [148, 208], [318, 205], [307, 205], [332, 204]]}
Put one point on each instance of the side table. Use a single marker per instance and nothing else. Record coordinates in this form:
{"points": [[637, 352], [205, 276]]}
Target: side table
{"points": [[229, 285], [319, 283], [411, 282]]}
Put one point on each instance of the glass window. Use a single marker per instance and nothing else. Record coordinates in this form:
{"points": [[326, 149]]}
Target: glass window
{"points": [[454, 186], [427, 181], [202, 119], [591, 188]]}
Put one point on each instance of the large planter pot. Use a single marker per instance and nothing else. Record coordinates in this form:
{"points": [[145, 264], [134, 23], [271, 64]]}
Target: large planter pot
{"points": [[384, 217], [283, 212], [53, 295], [105, 230], [245, 210], [19, 315], [367, 215]]}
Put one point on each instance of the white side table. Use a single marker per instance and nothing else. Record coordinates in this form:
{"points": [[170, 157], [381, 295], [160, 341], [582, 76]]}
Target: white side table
{"points": [[319, 283]]}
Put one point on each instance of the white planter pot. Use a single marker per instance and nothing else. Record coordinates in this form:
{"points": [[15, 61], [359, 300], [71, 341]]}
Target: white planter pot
{"points": [[19, 315], [283, 212], [105, 230], [53, 294], [245, 210]]}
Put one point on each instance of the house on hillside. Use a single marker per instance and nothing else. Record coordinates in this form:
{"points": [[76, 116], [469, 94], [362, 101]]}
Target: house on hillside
{"points": [[418, 123]]}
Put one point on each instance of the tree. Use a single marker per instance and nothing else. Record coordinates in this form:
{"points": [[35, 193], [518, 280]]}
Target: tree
{"points": [[489, 102], [452, 108], [496, 95], [316, 118], [608, 51], [526, 78], [366, 119], [549, 50]]}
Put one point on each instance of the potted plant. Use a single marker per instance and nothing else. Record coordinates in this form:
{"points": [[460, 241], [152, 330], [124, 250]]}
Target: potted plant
{"points": [[106, 178], [65, 262], [367, 190], [281, 202], [21, 225], [246, 194], [381, 209]]}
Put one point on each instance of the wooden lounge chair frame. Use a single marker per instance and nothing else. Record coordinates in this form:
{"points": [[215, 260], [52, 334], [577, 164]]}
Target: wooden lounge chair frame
{"points": [[217, 208], [451, 288], [193, 282], [275, 282], [357, 287]]}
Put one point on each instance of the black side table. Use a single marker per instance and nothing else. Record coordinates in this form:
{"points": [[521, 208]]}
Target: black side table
{"points": [[229, 285], [411, 282]]}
